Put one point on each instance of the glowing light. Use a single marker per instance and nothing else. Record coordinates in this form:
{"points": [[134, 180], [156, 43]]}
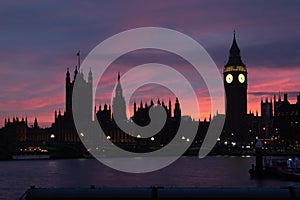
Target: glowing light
{"points": [[52, 136], [138, 136], [233, 143], [187, 139], [235, 68], [81, 134], [225, 142], [183, 138], [108, 137], [265, 142], [152, 138]]}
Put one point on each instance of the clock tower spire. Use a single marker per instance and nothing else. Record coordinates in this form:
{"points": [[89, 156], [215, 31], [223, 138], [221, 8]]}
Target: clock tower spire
{"points": [[235, 83], [234, 56]]}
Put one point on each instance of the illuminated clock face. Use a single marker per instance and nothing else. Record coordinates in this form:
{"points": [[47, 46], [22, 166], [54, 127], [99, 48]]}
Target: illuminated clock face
{"points": [[241, 78], [229, 78]]}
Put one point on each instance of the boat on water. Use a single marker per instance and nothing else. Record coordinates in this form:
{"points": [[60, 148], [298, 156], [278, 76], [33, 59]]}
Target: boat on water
{"points": [[289, 174], [292, 171], [31, 153], [265, 167], [30, 157], [284, 169], [269, 169]]}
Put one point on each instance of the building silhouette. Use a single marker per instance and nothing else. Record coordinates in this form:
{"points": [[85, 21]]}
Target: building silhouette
{"points": [[286, 120], [106, 118], [16, 133], [266, 118], [235, 84], [64, 126], [279, 121]]}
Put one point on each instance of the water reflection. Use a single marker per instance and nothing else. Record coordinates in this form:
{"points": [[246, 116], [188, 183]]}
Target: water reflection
{"points": [[213, 171]]}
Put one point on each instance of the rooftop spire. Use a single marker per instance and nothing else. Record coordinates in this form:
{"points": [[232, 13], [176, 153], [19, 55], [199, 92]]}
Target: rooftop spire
{"points": [[68, 75], [234, 57], [234, 50], [119, 91], [90, 78]]}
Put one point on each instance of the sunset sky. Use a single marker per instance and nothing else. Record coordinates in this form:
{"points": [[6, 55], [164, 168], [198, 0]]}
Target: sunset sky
{"points": [[39, 41]]}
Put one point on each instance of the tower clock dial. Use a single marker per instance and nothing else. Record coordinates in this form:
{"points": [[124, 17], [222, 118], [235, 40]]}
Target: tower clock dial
{"points": [[241, 78], [229, 78]]}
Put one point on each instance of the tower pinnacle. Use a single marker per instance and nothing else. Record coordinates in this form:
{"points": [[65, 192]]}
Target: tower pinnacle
{"points": [[234, 56], [119, 91]]}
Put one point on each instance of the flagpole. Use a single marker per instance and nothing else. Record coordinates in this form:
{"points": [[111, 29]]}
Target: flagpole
{"points": [[78, 55]]}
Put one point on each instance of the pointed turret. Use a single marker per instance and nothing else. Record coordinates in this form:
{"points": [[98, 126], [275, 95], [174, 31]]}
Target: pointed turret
{"points": [[119, 106], [170, 108], [134, 108], [163, 103], [151, 102], [141, 104], [68, 76], [177, 110], [158, 101], [234, 57], [35, 124], [75, 72], [90, 78], [119, 91]]}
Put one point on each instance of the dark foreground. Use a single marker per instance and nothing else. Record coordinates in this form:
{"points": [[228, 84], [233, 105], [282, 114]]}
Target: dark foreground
{"points": [[161, 193]]}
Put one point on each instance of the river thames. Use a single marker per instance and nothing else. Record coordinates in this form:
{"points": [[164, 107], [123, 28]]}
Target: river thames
{"points": [[211, 171]]}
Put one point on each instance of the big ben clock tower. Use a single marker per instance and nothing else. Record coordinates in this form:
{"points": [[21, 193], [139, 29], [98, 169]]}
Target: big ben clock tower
{"points": [[235, 83]]}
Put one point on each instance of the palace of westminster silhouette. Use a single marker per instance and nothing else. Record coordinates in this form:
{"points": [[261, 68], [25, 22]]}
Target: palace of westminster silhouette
{"points": [[279, 118]]}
